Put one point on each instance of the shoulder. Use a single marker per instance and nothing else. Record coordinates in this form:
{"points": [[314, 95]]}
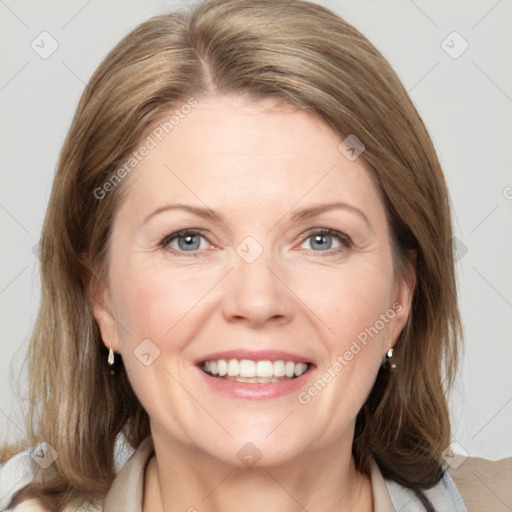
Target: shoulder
{"points": [[30, 506], [443, 496], [34, 505], [21, 470], [485, 485], [475, 485]]}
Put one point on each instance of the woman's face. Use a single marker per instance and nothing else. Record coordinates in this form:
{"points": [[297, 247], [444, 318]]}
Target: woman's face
{"points": [[284, 263]]}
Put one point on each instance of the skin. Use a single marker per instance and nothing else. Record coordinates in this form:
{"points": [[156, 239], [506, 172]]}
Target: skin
{"points": [[256, 164]]}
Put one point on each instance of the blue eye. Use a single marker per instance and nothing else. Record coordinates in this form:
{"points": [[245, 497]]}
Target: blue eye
{"points": [[322, 241], [187, 240]]}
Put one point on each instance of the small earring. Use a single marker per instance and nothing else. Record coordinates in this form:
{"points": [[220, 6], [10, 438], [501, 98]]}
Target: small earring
{"points": [[110, 359], [388, 364]]}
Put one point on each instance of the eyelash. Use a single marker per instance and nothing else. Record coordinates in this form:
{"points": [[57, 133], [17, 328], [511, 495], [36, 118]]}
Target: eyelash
{"points": [[346, 242]]}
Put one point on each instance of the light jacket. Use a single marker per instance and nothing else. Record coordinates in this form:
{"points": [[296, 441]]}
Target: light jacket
{"points": [[127, 489]]}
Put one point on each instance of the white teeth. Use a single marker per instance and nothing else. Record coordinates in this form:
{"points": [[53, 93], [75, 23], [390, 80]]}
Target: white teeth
{"points": [[278, 368], [246, 370], [264, 369], [300, 368], [261, 380], [233, 368], [222, 366]]}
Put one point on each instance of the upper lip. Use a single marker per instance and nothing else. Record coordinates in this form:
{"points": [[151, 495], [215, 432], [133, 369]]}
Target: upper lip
{"points": [[254, 355]]}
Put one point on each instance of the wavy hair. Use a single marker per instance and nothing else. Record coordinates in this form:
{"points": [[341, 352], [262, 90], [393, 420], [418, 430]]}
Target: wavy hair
{"points": [[308, 57]]}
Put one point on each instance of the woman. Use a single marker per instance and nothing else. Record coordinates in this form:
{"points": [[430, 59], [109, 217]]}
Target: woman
{"points": [[248, 275]]}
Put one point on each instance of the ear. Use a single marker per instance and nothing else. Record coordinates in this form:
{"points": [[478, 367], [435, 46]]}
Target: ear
{"points": [[402, 299], [101, 308]]}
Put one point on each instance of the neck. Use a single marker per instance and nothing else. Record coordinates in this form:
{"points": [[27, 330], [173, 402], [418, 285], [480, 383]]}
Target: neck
{"points": [[180, 478]]}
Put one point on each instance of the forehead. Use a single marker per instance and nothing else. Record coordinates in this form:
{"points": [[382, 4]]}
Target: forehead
{"points": [[235, 153]]}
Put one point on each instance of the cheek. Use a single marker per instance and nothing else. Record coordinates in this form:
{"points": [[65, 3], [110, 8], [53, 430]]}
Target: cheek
{"points": [[153, 308], [353, 310], [352, 305], [157, 302], [349, 301]]}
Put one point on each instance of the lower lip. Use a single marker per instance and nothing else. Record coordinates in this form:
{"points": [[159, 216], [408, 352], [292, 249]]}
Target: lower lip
{"points": [[256, 391]]}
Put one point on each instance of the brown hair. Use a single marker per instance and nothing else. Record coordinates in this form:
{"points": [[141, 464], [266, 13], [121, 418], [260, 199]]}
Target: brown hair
{"points": [[306, 56]]}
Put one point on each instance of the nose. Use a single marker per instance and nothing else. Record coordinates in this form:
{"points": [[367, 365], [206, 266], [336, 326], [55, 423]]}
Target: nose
{"points": [[257, 294]]}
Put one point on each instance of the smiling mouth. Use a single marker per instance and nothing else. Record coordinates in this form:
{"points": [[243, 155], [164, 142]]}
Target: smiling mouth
{"points": [[247, 370]]}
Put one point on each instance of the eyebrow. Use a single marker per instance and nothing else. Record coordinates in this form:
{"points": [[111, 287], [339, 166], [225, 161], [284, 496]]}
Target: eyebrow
{"points": [[313, 211], [206, 213], [306, 213]]}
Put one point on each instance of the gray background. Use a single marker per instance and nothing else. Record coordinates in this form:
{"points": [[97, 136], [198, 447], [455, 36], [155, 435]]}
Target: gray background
{"points": [[466, 103]]}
